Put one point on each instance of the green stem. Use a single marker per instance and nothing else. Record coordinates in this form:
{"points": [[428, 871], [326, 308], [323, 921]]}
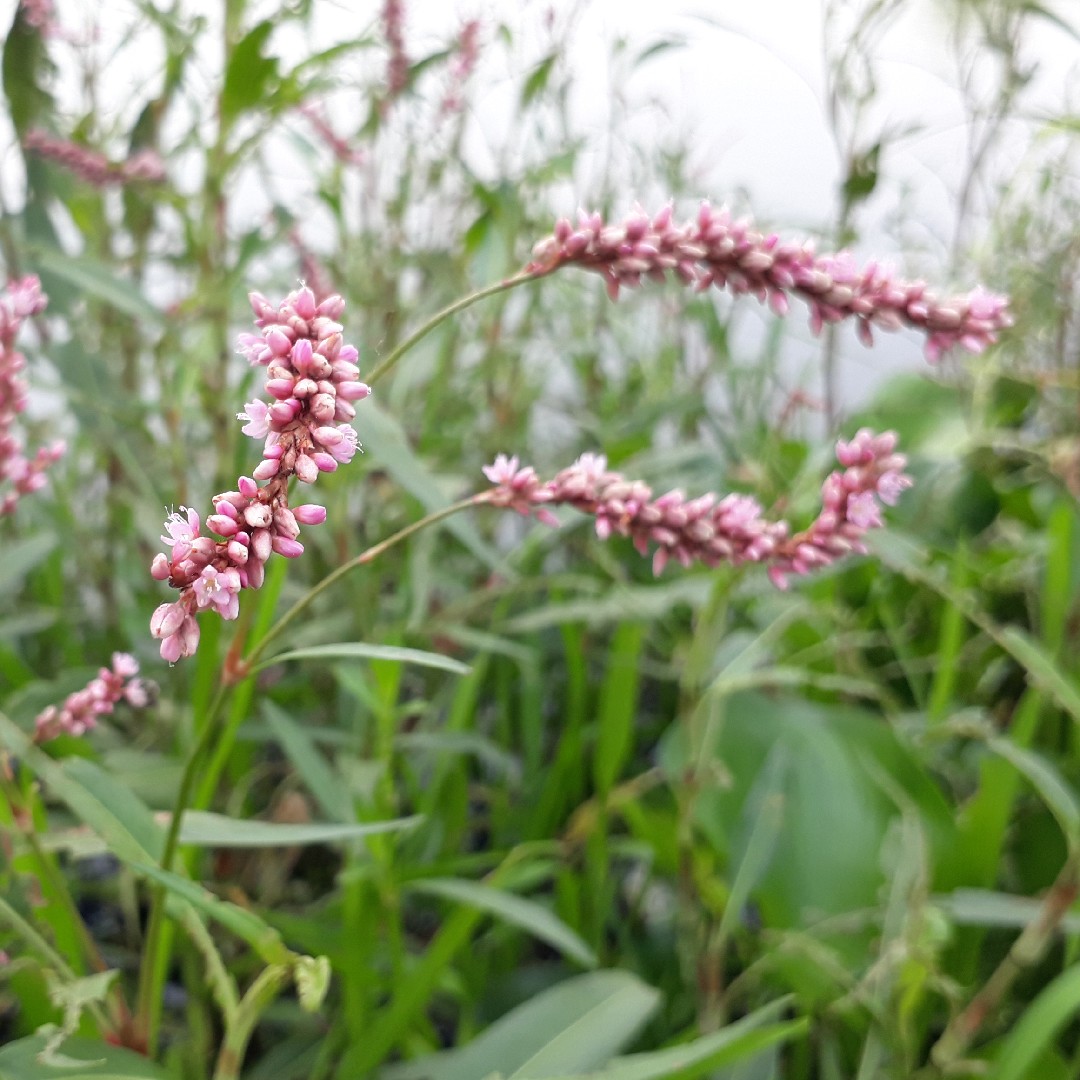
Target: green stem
{"points": [[436, 320], [362, 559], [155, 954], [260, 994], [1026, 951]]}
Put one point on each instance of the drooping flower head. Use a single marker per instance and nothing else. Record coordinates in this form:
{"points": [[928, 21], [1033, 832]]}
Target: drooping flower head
{"points": [[716, 249]]}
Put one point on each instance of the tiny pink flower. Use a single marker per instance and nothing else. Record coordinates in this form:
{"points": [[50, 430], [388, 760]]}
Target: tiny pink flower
{"points": [[258, 421]]}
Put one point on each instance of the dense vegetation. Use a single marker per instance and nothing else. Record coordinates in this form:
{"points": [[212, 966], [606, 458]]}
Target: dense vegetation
{"points": [[497, 801]]}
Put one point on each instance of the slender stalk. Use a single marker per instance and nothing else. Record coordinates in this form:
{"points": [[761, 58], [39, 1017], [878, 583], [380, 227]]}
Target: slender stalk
{"points": [[436, 320], [362, 559], [155, 954], [237, 1034], [1026, 951]]}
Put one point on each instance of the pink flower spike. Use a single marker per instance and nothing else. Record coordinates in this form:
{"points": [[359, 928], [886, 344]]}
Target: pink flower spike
{"points": [[311, 381]]}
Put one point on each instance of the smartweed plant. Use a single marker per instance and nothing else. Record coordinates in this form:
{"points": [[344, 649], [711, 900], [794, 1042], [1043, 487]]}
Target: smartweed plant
{"points": [[437, 793]]}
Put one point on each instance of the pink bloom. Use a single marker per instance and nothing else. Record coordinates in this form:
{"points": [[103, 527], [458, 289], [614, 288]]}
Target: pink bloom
{"points": [[80, 711], [731, 530], [310, 378], [258, 422], [20, 474], [717, 250], [91, 166]]}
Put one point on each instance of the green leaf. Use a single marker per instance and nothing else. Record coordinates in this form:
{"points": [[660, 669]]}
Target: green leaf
{"points": [[245, 924], [249, 74], [740, 1041], [528, 915], [1048, 784], [1038, 1026], [623, 603], [20, 557], [324, 782], [538, 78], [100, 1061], [358, 650], [205, 829], [984, 907], [574, 1026], [26, 70], [98, 280], [1042, 669], [618, 705]]}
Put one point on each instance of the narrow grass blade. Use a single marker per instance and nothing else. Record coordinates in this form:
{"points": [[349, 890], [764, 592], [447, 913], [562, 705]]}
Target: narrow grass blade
{"points": [[527, 915]]}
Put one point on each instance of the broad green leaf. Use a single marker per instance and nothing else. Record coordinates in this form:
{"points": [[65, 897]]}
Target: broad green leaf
{"points": [[249, 74], [27, 70], [19, 1061], [360, 651], [538, 78], [737, 1042], [570, 1028], [526, 914], [215, 830], [98, 280], [1038, 1026]]}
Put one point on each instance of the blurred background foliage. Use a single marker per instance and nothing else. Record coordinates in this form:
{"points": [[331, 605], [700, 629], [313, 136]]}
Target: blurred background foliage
{"points": [[834, 830]]}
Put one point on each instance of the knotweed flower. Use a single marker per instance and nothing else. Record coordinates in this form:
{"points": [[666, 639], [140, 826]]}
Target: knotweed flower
{"points": [[715, 249], [397, 69], [468, 49], [709, 529], [93, 167], [80, 711], [346, 154], [312, 381], [19, 475]]}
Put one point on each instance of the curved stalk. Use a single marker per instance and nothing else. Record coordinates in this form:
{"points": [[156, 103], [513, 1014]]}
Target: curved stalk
{"points": [[363, 558], [436, 320]]}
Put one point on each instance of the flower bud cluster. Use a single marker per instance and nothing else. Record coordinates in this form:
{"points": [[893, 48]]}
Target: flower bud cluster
{"points": [[81, 710], [312, 381], [711, 530], [19, 475], [717, 250], [92, 167]]}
